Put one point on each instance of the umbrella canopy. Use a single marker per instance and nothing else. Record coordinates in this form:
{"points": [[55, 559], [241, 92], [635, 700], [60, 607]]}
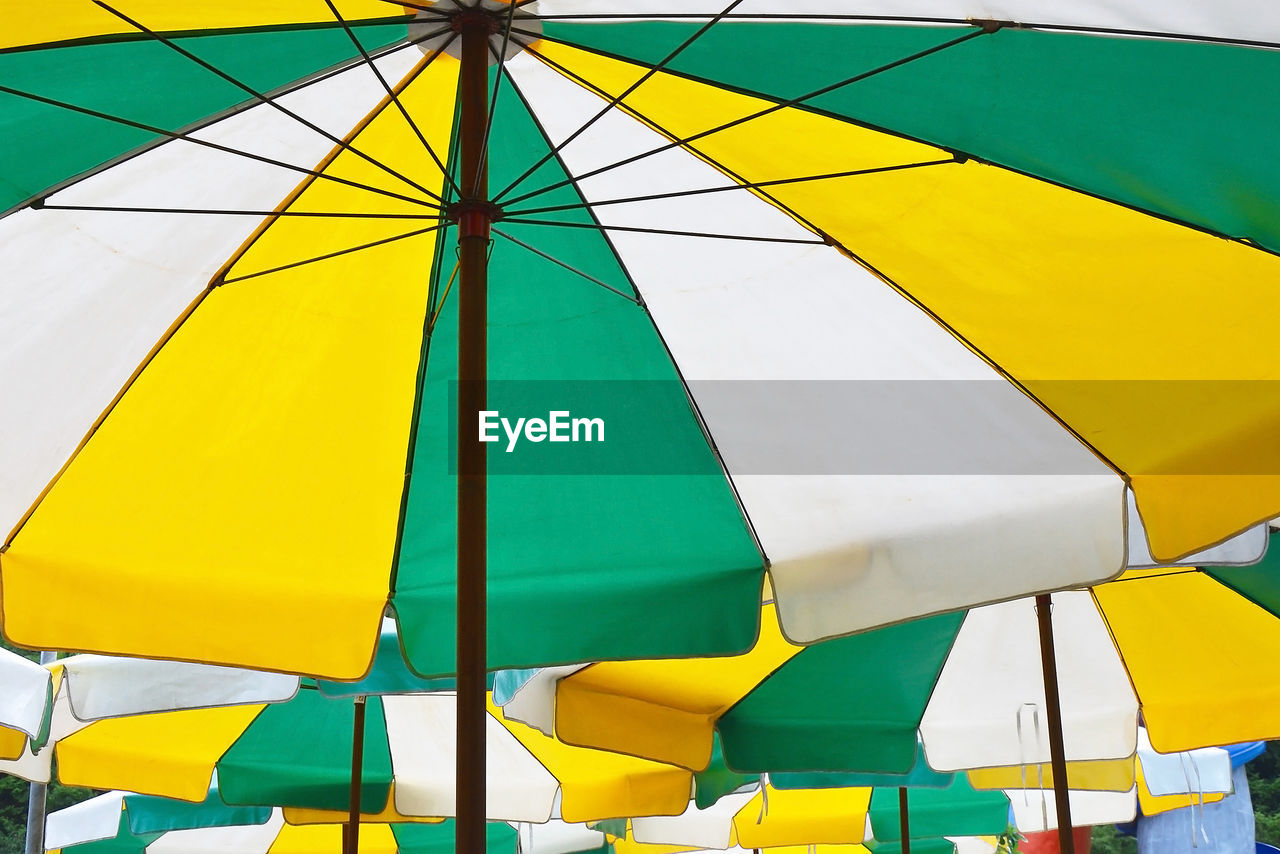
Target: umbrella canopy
{"points": [[46, 703], [763, 816], [846, 808], [1183, 645], [160, 826], [24, 704], [933, 845], [1160, 781], [927, 310], [119, 819], [298, 754]]}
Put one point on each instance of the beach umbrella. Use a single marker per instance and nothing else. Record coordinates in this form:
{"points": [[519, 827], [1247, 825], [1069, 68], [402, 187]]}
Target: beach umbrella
{"points": [[934, 845], [122, 822], [317, 735], [232, 317], [42, 704], [299, 754], [968, 686], [1160, 781], [24, 704], [1155, 783], [765, 816], [847, 808], [836, 810], [127, 818], [276, 837]]}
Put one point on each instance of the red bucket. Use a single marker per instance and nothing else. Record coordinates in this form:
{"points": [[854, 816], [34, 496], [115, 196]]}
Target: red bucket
{"points": [[1047, 843]]}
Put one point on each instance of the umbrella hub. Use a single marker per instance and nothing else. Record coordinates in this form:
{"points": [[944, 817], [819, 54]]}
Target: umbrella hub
{"points": [[473, 216], [429, 26], [464, 18]]}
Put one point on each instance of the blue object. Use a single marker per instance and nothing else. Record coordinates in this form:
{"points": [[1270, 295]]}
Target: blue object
{"points": [[1223, 827], [1264, 848], [1243, 752]]}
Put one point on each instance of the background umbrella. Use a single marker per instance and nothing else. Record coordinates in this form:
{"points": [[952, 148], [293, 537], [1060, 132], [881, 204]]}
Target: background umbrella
{"points": [[309, 757], [167, 828], [844, 808], [920, 846], [1036, 261], [298, 754], [969, 683], [25, 707], [124, 818], [123, 822], [1158, 781], [767, 817], [64, 696]]}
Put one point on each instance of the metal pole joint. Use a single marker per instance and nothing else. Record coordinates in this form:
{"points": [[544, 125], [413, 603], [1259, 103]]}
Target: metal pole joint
{"points": [[474, 217]]}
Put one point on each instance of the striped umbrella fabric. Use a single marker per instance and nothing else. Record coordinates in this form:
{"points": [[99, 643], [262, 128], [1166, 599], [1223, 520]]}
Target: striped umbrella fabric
{"points": [[25, 703], [959, 845], [824, 808], [129, 821], [765, 816], [124, 823], [1180, 644], [42, 704], [897, 305], [298, 755]]}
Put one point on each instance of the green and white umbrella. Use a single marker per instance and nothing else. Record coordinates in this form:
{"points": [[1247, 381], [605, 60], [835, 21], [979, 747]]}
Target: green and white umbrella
{"points": [[125, 823], [839, 813], [24, 703], [895, 301], [897, 304], [42, 704], [299, 754], [1182, 645], [121, 821]]}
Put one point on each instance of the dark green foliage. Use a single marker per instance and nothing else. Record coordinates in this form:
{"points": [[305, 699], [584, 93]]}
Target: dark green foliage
{"points": [[13, 813], [13, 808], [1264, 789], [1107, 840]]}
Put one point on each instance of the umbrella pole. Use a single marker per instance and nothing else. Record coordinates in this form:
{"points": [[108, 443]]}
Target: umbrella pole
{"points": [[351, 833], [473, 215], [37, 795], [36, 809], [904, 823], [1057, 752]]}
